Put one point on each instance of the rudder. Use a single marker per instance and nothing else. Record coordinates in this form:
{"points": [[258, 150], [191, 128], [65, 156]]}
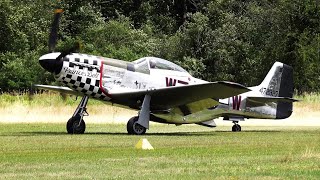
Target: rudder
{"points": [[284, 109]]}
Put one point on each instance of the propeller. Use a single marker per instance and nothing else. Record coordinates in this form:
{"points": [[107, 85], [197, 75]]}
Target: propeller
{"points": [[74, 48], [53, 37], [54, 30], [53, 62]]}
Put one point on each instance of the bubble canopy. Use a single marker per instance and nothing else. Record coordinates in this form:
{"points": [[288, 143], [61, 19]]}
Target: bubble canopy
{"points": [[158, 63]]}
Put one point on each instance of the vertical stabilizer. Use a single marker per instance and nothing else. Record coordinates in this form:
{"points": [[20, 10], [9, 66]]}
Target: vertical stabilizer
{"points": [[279, 83]]}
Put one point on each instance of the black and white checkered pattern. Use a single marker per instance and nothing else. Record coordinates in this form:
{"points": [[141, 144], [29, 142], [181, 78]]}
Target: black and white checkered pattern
{"points": [[81, 82]]}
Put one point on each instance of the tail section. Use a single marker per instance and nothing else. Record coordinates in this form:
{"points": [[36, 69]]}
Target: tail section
{"points": [[279, 83]]}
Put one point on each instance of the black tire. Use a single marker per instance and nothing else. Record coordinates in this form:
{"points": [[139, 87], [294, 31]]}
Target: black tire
{"points": [[73, 126], [236, 128], [233, 128], [134, 128]]}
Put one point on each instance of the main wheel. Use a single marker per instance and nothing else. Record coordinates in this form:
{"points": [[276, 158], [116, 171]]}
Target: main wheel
{"points": [[134, 128], [236, 128], [74, 127]]}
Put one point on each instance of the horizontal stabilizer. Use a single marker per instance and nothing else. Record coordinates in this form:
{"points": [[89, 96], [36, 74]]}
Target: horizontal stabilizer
{"points": [[265, 100]]}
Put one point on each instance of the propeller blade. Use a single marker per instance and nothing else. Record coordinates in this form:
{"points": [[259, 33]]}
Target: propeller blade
{"points": [[54, 30], [74, 48]]}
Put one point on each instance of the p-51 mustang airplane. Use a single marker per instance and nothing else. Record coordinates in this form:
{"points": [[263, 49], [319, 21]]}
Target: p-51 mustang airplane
{"points": [[163, 91]]}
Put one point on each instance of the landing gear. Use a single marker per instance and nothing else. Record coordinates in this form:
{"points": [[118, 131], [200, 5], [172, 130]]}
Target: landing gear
{"points": [[236, 127], [76, 124], [134, 128], [138, 124]]}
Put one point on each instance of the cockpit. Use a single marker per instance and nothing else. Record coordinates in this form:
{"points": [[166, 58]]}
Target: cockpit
{"points": [[144, 65]]}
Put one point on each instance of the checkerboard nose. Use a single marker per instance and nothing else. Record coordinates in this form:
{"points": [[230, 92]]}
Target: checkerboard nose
{"points": [[50, 63]]}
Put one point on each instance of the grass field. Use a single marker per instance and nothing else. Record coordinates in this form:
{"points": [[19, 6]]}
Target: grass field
{"points": [[34, 144], [45, 151]]}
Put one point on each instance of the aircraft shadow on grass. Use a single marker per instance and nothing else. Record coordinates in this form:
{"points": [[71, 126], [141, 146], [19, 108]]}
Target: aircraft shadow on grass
{"points": [[203, 133]]}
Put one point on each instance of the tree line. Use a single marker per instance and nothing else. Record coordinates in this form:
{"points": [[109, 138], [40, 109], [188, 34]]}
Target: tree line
{"points": [[214, 40]]}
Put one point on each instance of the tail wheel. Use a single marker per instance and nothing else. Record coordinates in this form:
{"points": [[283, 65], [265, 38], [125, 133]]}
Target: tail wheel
{"points": [[236, 128], [74, 126], [134, 128]]}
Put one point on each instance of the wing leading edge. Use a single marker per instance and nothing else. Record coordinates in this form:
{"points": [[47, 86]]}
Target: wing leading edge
{"points": [[60, 89]]}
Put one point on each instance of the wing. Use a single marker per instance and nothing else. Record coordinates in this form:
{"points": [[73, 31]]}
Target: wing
{"points": [[164, 98], [60, 89]]}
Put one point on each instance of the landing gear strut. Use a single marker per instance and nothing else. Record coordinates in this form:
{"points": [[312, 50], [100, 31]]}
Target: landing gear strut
{"points": [[76, 124], [236, 127], [139, 124]]}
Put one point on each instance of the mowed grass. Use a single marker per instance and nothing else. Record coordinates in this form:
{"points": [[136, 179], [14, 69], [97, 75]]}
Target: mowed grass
{"points": [[45, 151]]}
